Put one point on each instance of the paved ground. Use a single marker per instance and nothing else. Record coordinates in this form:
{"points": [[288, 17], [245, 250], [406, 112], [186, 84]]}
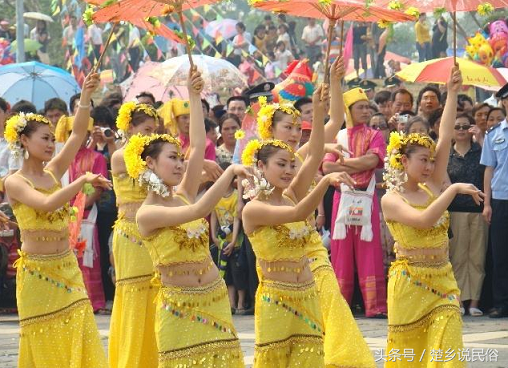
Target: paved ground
{"points": [[480, 335]]}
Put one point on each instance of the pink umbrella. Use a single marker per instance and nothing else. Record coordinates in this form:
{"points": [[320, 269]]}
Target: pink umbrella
{"points": [[143, 81], [224, 27]]}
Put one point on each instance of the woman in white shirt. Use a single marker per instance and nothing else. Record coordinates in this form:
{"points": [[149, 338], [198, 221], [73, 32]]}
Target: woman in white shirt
{"points": [[283, 55], [284, 36]]}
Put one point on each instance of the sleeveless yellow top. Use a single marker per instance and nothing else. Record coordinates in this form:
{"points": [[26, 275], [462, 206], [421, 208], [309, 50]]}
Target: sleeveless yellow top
{"points": [[282, 242], [30, 219], [128, 190], [185, 243], [412, 238]]}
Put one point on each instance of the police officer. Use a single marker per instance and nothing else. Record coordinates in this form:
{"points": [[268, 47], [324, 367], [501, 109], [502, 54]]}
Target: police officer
{"points": [[495, 158]]}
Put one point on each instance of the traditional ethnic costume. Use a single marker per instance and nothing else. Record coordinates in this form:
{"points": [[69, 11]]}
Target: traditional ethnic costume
{"points": [[87, 160], [352, 248], [344, 345], [194, 326], [57, 325], [288, 320], [423, 296], [132, 334]]}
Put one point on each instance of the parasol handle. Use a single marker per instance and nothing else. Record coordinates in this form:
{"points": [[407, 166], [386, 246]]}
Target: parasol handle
{"points": [[341, 37], [108, 41], [331, 26], [454, 16], [187, 46]]}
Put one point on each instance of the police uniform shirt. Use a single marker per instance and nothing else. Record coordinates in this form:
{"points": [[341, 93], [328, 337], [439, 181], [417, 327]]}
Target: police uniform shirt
{"points": [[495, 154]]}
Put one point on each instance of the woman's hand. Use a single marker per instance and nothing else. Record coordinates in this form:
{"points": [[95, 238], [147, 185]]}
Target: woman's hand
{"points": [[195, 82], [212, 169], [337, 178], [337, 150], [469, 189], [455, 81], [320, 98], [338, 71], [243, 172], [97, 180], [90, 84], [228, 249]]}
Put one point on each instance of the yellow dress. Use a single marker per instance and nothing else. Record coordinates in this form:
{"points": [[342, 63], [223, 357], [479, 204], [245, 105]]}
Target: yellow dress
{"points": [[344, 344], [343, 341], [194, 326], [57, 325], [423, 298], [288, 320], [132, 335]]}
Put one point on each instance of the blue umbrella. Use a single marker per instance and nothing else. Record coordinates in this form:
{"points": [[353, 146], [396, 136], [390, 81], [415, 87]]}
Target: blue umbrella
{"points": [[36, 82]]}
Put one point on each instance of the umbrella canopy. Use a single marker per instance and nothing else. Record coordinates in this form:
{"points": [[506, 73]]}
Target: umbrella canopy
{"points": [[30, 45], [225, 27], [450, 5], [438, 71], [36, 82], [334, 10], [38, 16], [217, 73], [143, 81]]}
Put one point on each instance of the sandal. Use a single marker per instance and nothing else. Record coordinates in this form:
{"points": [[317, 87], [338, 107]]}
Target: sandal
{"points": [[475, 312], [241, 311], [103, 311]]}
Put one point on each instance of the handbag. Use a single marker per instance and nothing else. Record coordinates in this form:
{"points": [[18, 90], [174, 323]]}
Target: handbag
{"points": [[87, 234], [355, 206]]}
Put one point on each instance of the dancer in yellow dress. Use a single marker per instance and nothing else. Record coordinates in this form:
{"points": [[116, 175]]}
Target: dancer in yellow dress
{"points": [[194, 326], [344, 343], [57, 326], [132, 335], [423, 296], [279, 233]]}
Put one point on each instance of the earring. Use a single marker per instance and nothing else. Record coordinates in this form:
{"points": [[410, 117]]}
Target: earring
{"points": [[26, 155], [262, 186]]}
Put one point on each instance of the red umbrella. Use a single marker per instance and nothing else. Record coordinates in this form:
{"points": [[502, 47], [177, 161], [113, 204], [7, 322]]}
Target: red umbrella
{"points": [[424, 6], [333, 10], [132, 10]]}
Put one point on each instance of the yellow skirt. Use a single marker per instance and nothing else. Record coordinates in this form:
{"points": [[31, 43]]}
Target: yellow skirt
{"points": [[289, 328], [194, 327], [343, 341], [132, 331], [57, 325], [423, 315]]}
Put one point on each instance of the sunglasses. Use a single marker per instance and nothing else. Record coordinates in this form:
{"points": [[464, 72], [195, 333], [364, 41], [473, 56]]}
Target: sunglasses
{"points": [[379, 127], [462, 127]]}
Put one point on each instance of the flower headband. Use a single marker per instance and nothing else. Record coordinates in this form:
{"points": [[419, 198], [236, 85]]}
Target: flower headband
{"points": [[15, 125], [266, 112], [135, 165], [125, 114], [394, 170], [249, 155]]}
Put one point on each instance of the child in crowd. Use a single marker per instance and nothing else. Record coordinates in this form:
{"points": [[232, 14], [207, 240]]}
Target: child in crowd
{"points": [[227, 235]]}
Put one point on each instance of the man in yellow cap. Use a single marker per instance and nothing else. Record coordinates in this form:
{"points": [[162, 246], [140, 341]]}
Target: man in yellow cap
{"points": [[176, 116], [356, 224]]}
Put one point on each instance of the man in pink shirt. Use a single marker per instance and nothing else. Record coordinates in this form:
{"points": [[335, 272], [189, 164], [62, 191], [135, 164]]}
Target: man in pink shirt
{"points": [[359, 247]]}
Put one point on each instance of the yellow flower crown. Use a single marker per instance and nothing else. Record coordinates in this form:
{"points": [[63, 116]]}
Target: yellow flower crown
{"points": [[249, 155], [15, 125], [398, 143], [265, 116], [135, 165], [125, 114]]}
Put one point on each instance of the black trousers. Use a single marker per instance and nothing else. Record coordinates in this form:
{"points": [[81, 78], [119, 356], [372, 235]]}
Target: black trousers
{"points": [[253, 275], [105, 222], [498, 234]]}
